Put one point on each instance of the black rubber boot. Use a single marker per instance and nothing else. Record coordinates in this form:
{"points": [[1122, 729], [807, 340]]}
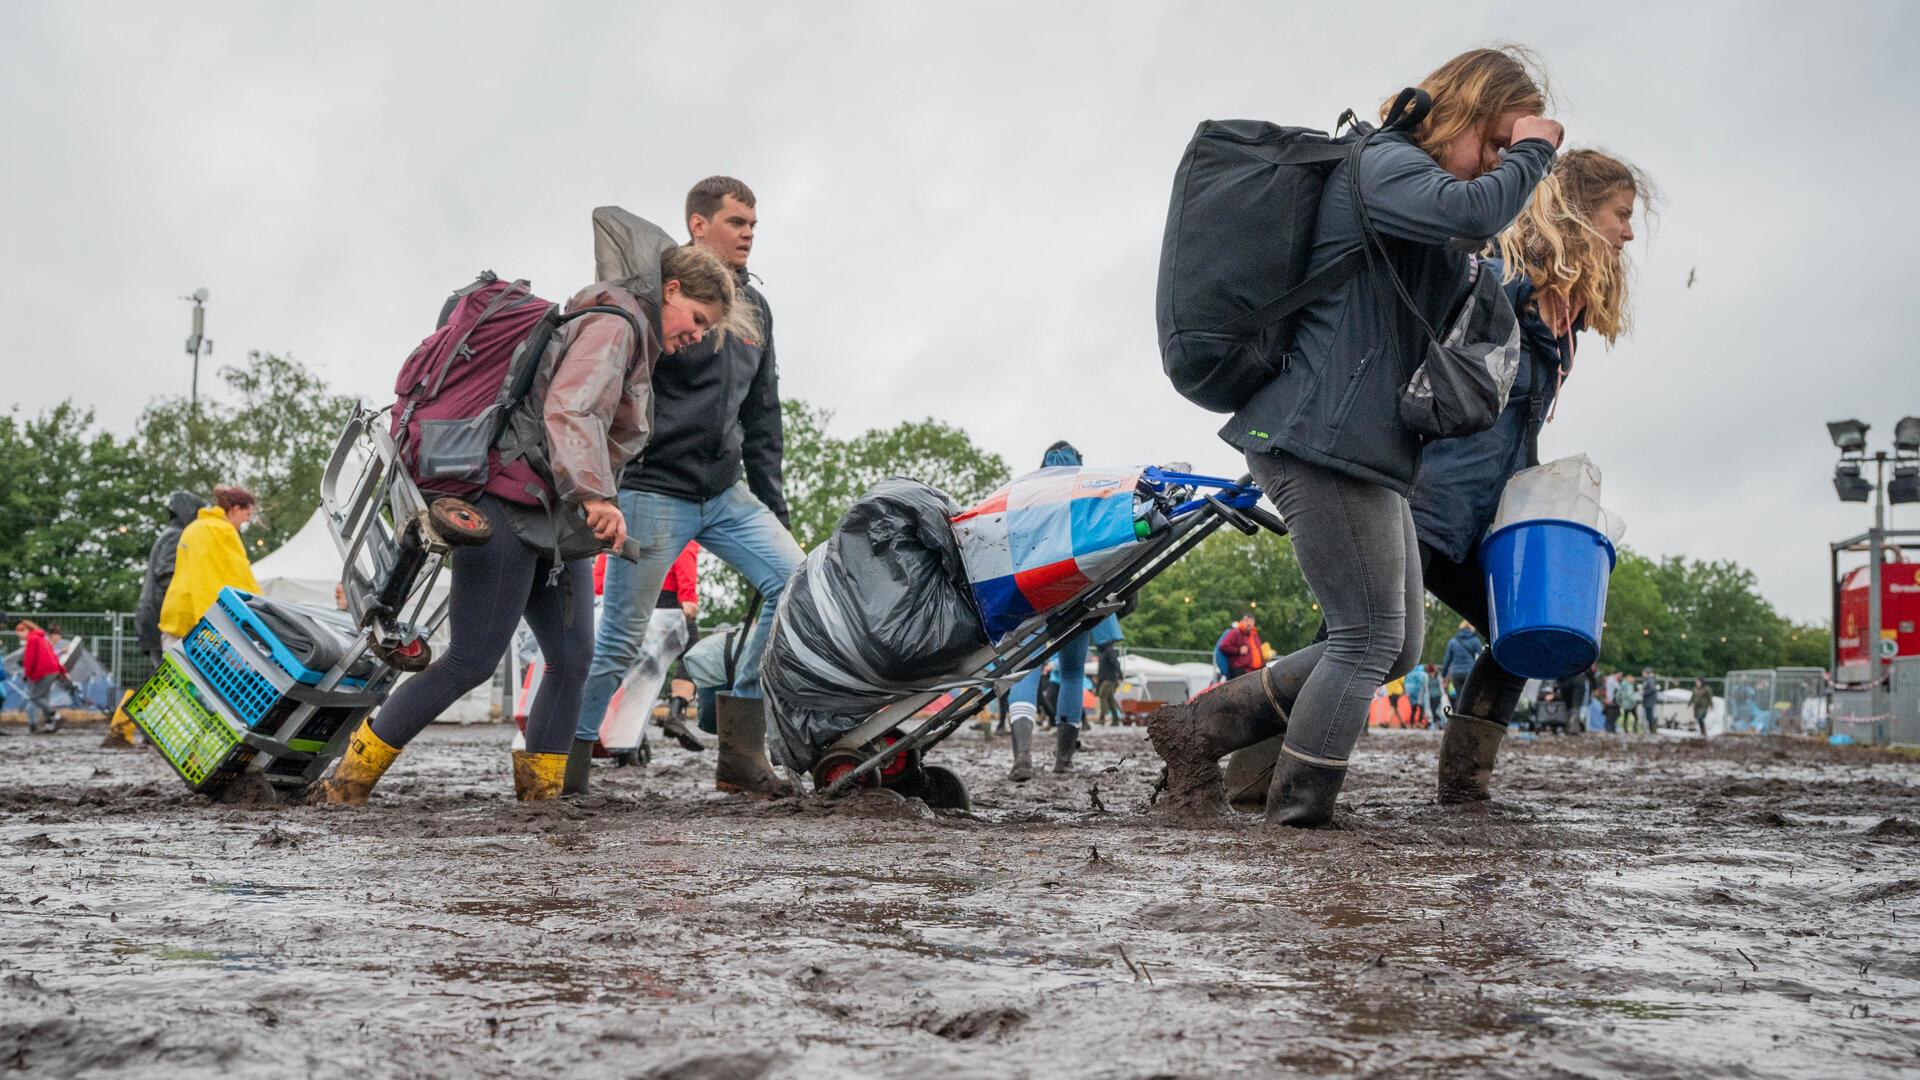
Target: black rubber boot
{"points": [[1475, 727], [579, 761], [743, 766], [1066, 739], [1192, 738], [1468, 749], [1022, 770], [673, 727], [1303, 793]]}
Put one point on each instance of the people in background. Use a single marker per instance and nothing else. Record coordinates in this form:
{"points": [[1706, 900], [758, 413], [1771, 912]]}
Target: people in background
{"points": [[209, 557]]}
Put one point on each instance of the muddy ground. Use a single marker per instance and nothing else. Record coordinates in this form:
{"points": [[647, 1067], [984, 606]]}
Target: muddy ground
{"points": [[1744, 908]]}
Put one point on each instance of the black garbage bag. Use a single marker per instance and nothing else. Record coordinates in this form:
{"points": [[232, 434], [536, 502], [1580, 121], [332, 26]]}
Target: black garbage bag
{"points": [[880, 610]]}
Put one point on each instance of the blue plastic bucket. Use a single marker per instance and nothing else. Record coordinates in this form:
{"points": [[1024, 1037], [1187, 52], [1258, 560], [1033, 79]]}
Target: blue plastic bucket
{"points": [[1546, 595]]}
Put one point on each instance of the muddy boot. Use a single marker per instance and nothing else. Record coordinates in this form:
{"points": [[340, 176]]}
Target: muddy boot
{"points": [[1249, 772], [538, 777], [1066, 739], [673, 727], [367, 759], [1022, 770], [1192, 738], [579, 766], [1303, 792], [743, 766], [1467, 751], [120, 730]]}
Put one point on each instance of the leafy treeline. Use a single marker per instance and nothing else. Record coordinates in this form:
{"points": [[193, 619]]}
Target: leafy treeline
{"points": [[79, 508]]}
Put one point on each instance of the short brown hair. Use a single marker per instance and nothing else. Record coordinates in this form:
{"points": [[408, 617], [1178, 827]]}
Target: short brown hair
{"points": [[232, 497], [707, 196]]}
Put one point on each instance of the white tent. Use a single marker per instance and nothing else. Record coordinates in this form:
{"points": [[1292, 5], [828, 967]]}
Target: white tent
{"points": [[305, 569]]}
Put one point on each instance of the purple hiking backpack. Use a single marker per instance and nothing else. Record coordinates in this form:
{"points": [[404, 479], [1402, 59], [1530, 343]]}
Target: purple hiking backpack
{"points": [[459, 389]]}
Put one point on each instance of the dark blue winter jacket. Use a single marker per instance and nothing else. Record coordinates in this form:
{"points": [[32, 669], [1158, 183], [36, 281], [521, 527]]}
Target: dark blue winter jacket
{"points": [[1335, 402], [1463, 648], [1461, 479]]}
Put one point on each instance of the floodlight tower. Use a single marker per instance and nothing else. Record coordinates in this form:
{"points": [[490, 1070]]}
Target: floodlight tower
{"points": [[198, 339], [1861, 686]]}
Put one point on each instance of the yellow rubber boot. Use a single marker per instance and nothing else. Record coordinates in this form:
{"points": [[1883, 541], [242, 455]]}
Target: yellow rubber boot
{"points": [[120, 728], [538, 776], [367, 758]]}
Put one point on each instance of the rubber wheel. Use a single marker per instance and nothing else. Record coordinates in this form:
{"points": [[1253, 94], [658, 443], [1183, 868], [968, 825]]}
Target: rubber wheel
{"points": [[411, 656], [835, 765], [943, 789], [459, 523]]}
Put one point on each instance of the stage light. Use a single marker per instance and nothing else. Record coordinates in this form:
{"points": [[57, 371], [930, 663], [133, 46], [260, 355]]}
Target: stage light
{"points": [[1848, 435], [1906, 434], [1849, 484], [1905, 486]]}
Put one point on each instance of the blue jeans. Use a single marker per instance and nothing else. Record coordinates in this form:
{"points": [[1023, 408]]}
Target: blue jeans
{"points": [[1072, 659], [734, 526]]}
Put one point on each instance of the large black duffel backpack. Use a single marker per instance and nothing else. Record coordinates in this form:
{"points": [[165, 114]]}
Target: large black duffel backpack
{"points": [[1233, 261]]}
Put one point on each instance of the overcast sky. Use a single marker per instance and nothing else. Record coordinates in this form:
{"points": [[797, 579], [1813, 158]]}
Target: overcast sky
{"points": [[961, 206]]}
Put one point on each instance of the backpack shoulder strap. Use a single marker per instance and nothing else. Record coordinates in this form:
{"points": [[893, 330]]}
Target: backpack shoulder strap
{"points": [[607, 309], [1322, 284]]}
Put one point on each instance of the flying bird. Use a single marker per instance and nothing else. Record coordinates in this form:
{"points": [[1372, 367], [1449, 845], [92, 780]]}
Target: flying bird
{"points": [[1690, 277]]}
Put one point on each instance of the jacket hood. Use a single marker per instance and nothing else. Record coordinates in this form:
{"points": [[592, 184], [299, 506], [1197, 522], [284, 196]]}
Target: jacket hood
{"points": [[182, 506], [1465, 633], [627, 249]]}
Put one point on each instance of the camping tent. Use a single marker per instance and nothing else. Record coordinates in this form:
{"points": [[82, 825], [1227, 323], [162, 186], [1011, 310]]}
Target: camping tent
{"points": [[305, 569], [93, 683]]}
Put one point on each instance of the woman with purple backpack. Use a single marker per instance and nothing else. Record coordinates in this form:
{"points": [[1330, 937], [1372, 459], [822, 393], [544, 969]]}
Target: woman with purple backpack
{"points": [[592, 409]]}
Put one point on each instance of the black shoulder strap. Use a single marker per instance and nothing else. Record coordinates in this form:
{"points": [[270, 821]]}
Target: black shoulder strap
{"points": [[520, 379], [1330, 277]]}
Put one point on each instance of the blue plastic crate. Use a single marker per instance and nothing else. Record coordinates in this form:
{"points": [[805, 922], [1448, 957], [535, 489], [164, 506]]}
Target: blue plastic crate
{"points": [[252, 684], [233, 603]]}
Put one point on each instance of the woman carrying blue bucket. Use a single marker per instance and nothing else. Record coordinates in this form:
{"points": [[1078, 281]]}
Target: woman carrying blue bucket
{"points": [[1326, 440], [1566, 272]]}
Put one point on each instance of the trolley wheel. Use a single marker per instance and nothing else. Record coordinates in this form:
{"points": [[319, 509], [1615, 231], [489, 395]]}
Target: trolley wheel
{"points": [[943, 789], [459, 523], [409, 656], [838, 763]]}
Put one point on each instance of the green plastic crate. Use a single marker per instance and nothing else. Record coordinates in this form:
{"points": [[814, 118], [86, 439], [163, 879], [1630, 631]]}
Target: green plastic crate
{"points": [[185, 722]]}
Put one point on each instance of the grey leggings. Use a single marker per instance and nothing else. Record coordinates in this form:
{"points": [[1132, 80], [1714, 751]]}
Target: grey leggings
{"points": [[494, 585], [1355, 544]]}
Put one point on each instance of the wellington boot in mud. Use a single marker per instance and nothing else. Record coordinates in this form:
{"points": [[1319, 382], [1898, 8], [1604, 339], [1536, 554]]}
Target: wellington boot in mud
{"points": [[1468, 749], [120, 728], [367, 759], [1066, 739], [1192, 738], [743, 767], [1022, 770], [676, 729], [1303, 792], [579, 766], [538, 777]]}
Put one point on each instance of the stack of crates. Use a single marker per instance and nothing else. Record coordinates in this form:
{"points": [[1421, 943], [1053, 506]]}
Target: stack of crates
{"points": [[183, 719], [244, 695]]}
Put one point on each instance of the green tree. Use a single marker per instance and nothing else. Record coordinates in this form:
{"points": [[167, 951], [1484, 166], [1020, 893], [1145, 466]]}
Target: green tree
{"points": [[272, 432], [76, 514], [1228, 575], [825, 474]]}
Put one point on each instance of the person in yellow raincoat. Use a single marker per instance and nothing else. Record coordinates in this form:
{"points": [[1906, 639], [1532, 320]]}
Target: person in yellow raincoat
{"points": [[210, 557]]}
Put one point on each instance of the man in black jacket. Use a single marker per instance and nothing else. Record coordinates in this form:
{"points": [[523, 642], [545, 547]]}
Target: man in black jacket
{"points": [[710, 472], [181, 507]]}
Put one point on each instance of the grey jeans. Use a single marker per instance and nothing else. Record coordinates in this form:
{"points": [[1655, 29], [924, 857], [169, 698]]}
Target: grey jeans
{"points": [[1355, 544]]}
